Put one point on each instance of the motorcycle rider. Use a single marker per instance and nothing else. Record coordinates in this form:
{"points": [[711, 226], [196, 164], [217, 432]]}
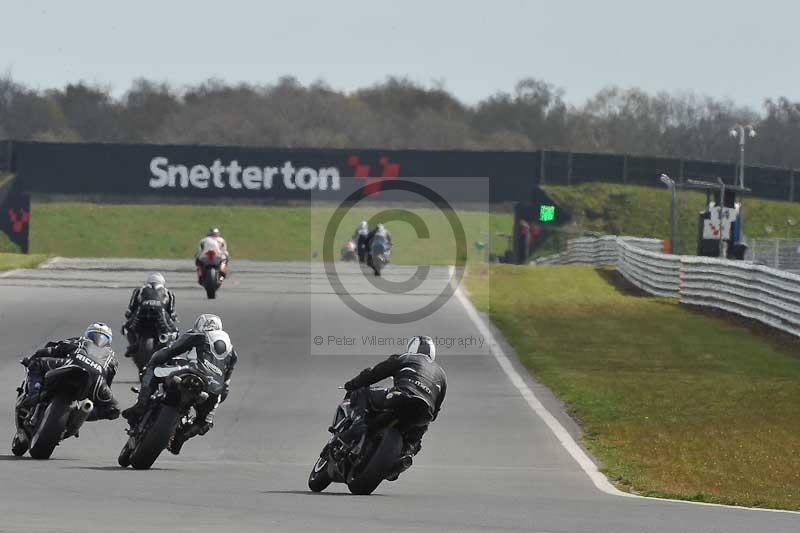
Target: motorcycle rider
{"points": [[210, 347], [154, 290], [420, 385], [96, 344], [212, 241], [380, 232], [360, 240]]}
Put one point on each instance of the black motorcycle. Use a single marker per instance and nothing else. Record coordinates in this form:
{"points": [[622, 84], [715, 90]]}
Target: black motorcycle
{"points": [[182, 387], [153, 331], [362, 462], [379, 254], [62, 407]]}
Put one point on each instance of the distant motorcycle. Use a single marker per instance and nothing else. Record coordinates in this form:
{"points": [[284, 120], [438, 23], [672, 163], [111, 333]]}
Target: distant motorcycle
{"points": [[154, 333], [365, 463], [213, 269], [62, 408], [379, 253], [349, 251], [182, 387]]}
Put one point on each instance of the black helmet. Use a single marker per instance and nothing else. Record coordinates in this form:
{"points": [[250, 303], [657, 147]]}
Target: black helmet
{"points": [[213, 232], [422, 344]]}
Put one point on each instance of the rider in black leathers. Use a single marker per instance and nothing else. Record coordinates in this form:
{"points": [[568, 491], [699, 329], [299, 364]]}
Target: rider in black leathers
{"points": [[153, 303], [211, 349], [96, 344], [420, 385], [360, 238]]}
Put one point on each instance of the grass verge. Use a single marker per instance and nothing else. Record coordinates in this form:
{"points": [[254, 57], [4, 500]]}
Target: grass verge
{"points": [[254, 232], [11, 261], [674, 402]]}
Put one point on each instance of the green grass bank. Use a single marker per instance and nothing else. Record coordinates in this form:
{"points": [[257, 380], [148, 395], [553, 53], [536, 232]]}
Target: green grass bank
{"points": [[253, 232], [674, 402]]}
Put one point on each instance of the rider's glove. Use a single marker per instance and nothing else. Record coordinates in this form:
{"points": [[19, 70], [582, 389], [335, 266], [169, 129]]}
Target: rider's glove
{"points": [[350, 386], [25, 361]]}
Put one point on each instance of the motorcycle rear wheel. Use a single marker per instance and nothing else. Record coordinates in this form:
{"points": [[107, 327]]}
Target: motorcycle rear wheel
{"points": [[380, 464], [156, 438], [49, 432], [210, 283]]}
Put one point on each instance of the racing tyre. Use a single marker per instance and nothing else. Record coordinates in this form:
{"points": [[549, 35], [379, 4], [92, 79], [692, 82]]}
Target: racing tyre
{"points": [[211, 283], [366, 480], [155, 439], [18, 446], [319, 479], [52, 427]]}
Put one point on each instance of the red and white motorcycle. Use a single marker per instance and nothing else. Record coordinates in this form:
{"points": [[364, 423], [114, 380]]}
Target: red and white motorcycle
{"points": [[212, 268]]}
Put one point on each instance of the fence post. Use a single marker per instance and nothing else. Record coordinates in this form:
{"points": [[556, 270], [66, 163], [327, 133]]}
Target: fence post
{"points": [[569, 168], [625, 168], [791, 185], [680, 170], [542, 176]]}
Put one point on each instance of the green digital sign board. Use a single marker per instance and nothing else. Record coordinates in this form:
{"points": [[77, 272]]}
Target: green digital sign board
{"points": [[547, 213]]}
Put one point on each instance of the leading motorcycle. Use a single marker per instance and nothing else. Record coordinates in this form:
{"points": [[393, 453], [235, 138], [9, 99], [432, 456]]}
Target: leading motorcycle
{"points": [[213, 268], [372, 457], [62, 407], [182, 386]]}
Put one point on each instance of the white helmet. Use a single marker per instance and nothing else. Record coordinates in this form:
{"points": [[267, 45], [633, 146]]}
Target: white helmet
{"points": [[363, 225], [99, 333], [208, 323], [422, 344], [156, 279]]}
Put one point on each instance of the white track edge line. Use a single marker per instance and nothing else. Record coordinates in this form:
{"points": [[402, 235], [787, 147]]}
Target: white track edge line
{"points": [[50, 262], [562, 435]]}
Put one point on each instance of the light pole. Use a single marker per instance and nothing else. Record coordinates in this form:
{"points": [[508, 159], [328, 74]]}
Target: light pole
{"points": [[673, 219], [742, 132]]}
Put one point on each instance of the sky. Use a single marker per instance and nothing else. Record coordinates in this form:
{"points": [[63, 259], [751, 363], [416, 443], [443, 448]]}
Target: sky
{"points": [[745, 51]]}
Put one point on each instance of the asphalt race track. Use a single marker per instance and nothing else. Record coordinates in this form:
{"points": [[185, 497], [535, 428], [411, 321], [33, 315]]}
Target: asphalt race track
{"points": [[488, 464]]}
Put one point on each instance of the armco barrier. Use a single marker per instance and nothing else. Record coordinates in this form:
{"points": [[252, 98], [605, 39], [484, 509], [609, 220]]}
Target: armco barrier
{"points": [[757, 292], [653, 272], [754, 291]]}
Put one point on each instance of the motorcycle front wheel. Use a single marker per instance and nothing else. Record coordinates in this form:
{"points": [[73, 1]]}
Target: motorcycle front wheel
{"points": [[319, 479]]}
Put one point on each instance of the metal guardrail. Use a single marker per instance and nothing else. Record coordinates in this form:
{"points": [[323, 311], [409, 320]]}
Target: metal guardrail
{"points": [[754, 291], [758, 292]]}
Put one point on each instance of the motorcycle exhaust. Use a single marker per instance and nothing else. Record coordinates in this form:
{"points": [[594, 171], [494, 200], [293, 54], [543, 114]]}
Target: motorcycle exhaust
{"points": [[164, 338], [79, 416], [405, 462], [86, 406]]}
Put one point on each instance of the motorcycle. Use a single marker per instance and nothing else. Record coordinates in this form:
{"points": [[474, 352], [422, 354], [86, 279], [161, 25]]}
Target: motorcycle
{"points": [[379, 254], [153, 331], [62, 408], [181, 387], [372, 457], [213, 268], [349, 251]]}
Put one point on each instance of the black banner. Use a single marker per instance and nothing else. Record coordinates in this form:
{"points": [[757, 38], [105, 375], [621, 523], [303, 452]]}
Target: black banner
{"points": [[15, 213], [281, 174]]}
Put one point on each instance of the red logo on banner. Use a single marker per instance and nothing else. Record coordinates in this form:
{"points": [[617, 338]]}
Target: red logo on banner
{"points": [[18, 221], [372, 184]]}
